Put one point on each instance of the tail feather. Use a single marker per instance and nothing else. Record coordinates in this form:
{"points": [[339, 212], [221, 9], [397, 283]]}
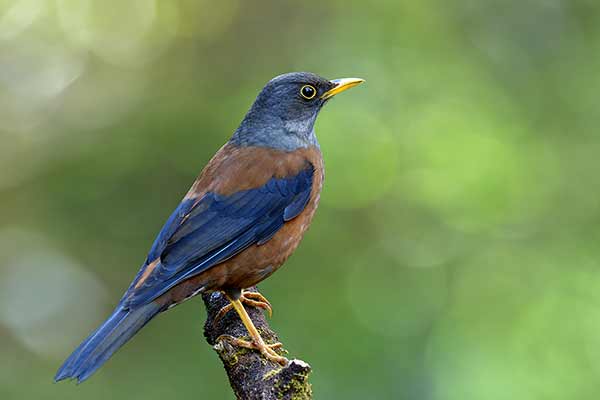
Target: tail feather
{"points": [[105, 341]]}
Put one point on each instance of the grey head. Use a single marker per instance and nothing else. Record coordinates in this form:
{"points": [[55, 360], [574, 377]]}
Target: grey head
{"points": [[284, 112]]}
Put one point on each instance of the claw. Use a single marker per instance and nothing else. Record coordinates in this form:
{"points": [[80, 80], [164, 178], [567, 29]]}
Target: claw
{"points": [[256, 299], [267, 350], [222, 313], [252, 299]]}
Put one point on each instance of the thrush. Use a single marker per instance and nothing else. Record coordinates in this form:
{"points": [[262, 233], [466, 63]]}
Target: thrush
{"points": [[245, 214]]}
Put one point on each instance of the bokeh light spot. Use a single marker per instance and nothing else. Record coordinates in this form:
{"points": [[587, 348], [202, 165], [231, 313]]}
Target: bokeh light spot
{"points": [[128, 34], [473, 171], [17, 16], [517, 326], [47, 300]]}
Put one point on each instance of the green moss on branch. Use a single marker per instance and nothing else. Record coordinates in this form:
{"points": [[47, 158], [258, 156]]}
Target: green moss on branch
{"points": [[251, 376]]}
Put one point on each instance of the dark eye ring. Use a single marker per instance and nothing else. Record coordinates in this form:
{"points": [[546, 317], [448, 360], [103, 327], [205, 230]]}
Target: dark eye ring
{"points": [[308, 92]]}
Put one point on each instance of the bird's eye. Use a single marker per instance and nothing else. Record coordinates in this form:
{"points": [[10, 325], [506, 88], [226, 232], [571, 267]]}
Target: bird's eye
{"points": [[308, 92]]}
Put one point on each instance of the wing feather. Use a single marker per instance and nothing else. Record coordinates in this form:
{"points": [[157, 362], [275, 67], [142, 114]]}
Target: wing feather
{"points": [[201, 234]]}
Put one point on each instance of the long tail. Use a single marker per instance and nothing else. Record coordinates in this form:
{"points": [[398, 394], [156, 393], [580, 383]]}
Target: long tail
{"points": [[108, 338]]}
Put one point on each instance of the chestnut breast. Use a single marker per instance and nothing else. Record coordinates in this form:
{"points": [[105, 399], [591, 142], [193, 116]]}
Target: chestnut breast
{"points": [[240, 168]]}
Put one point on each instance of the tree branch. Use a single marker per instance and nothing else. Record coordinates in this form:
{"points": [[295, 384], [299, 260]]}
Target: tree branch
{"points": [[251, 376]]}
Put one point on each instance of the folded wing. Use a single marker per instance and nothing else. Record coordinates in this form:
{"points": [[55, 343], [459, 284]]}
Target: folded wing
{"points": [[204, 233]]}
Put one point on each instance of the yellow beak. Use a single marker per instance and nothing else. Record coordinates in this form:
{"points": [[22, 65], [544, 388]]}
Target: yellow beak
{"points": [[340, 86]]}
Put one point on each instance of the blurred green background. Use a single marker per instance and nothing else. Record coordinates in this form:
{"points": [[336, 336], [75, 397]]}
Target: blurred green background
{"points": [[455, 253]]}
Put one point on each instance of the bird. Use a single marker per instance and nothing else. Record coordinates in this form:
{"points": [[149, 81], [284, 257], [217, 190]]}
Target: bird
{"points": [[244, 215]]}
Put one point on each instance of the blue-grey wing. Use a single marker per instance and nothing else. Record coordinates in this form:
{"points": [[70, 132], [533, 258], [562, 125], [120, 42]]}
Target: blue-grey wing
{"points": [[200, 235]]}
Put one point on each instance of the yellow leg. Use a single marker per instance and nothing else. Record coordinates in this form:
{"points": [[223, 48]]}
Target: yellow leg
{"points": [[257, 341], [252, 299]]}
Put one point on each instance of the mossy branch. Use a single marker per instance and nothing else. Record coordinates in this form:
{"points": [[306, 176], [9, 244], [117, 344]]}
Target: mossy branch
{"points": [[251, 376]]}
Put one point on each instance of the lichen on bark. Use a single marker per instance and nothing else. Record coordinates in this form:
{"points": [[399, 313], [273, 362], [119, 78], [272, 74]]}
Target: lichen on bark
{"points": [[251, 376]]}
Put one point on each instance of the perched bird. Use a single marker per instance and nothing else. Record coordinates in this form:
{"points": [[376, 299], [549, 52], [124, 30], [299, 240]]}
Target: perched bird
{"points": [[242, 218]]}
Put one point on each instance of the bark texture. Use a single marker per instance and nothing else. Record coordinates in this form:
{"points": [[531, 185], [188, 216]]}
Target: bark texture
{"points": [[251, 376]]}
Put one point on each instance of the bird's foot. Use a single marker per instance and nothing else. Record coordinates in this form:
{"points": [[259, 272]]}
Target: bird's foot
{"points": [[252, 299], [267, 350]]}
